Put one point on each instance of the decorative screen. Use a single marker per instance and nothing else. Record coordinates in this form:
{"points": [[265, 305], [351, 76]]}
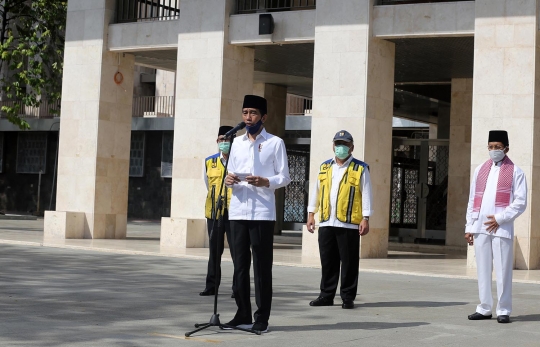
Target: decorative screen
{"points": [[31, 152]]}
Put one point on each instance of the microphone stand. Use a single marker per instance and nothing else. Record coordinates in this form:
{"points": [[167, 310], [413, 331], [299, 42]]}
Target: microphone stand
{"points": [[218, 211]]}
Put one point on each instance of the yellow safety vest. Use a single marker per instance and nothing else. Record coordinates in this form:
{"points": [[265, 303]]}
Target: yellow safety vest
{"points": [[349, 200], [215, 172]]}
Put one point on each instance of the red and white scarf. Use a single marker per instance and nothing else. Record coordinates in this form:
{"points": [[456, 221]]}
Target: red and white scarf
{"points": [[504, 184]]}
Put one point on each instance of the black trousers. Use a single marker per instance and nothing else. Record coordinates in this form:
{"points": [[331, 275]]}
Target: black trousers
{"points": [[212, 279], [260, 236], [339, 245]]}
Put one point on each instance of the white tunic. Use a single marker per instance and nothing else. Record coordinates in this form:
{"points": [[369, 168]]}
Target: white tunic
{"points": [[504, 216]]}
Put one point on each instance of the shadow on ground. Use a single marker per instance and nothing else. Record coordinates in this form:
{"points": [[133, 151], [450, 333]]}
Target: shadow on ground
{"points": [[349, 326]]}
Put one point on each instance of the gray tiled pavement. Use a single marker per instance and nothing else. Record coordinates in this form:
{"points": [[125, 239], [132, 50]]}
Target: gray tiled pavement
{"points": [[62, 297]]}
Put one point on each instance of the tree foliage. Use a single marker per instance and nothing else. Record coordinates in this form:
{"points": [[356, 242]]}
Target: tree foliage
{"points": [[32, 36]]}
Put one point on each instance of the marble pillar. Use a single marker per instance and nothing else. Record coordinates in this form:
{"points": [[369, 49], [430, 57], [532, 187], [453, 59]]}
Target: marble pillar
{"points": [[506, 95], [277, 106], [276, 97], [353, 89], [95, 130], [211, 80], [459, 161]]}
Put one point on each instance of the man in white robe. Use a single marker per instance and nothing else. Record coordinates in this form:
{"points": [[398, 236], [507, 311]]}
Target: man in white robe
{"points": [[498, 195]]}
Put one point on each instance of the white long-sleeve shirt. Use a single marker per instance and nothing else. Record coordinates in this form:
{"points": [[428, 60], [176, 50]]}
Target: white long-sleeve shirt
{"points": [[504, 216], [337, 174], [265, 157]]}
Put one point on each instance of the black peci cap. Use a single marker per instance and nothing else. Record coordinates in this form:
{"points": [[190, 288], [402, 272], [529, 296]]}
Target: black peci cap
{"points": [[255, 101], [498, 136], [223, 129]]}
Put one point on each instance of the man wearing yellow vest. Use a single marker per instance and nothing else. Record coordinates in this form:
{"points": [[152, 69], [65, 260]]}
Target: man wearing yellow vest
{"points": [[343, 197], [214, 172]]}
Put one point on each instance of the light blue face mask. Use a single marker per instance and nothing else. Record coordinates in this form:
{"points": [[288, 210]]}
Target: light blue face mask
{"points": [[341, 151], [224, 147]]}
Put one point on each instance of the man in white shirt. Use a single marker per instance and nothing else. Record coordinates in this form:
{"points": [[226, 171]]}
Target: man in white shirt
{"points": [[498, 195], [343, 197], [257, 167]]}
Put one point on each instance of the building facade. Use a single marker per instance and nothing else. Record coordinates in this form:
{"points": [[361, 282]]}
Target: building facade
{"points": [[460, 67]]}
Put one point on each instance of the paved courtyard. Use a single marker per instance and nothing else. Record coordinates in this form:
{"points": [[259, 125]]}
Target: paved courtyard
{"points": [[65, 297]]}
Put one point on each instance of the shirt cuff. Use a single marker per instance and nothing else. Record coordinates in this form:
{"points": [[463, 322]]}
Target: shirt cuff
{"points": [[311, 209], [272, 183], [499, 218]]}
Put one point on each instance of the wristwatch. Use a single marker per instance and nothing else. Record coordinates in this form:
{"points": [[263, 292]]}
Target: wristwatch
{"points": [[366, 218]]}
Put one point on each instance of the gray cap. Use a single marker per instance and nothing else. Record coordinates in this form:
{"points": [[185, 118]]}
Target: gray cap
{"points": [[343, 135]]}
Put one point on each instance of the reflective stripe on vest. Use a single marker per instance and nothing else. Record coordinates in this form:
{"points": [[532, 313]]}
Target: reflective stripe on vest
{"points": [[349, 200], [215, 172]]}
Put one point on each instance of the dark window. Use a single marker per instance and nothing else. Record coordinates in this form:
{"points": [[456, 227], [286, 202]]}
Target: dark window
{"points": [[167, 154], [31, 152], [136, 154]]}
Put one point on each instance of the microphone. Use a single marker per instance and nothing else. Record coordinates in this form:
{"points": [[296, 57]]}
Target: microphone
{"points": [[240, 126]]}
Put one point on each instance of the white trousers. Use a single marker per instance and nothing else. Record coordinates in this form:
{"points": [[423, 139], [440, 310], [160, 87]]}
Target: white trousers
{"points": [[496, 250]]}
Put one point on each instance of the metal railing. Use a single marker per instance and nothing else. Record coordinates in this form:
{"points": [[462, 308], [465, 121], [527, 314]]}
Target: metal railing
{"points": [[153, 106], [46, 109], [251, 6], [146, 10], [403, 2], [298, 105]]}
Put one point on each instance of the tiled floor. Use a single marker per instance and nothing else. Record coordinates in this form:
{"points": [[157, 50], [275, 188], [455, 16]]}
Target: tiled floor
{"points": [[143, 238]]}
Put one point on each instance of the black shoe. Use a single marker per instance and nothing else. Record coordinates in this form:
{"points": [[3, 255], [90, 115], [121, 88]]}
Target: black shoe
{"points": [[207, 292], [478, 316], [320, 301], [347, 304], [262, 327], [245, 324], [503, 319], [232, 295]]}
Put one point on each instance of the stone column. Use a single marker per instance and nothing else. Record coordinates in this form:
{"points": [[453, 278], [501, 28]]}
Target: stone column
{"points": [[506, 96], [353, 89], [459, 161], [93, 164], [277, 106], [275, 124], [211, 80]]}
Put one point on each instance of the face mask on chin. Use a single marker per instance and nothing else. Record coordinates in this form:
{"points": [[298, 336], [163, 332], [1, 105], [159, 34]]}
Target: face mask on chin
{"points": [[497, 155], [254, 128]]}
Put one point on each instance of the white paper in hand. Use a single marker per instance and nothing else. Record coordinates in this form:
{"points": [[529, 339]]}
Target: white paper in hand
{"points": [[242, 175]]}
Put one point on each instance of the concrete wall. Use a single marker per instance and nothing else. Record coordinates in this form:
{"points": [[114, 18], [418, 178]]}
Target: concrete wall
{"points": [[290, 27], [143, 35], [438, 19]]}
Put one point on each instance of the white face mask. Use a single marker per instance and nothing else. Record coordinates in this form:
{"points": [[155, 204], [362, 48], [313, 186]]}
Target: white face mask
{"points": [[497, 155]]}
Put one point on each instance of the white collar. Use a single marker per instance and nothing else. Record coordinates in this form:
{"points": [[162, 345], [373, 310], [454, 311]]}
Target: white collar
{"points": [[346, 163], [263, 133]]}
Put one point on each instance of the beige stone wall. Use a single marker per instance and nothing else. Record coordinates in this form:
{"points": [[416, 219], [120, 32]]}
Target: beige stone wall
{"points": [[276, 96], [277, 106], [459, 160], [353, 86], [506, 88], [434, 19], [211, 81], [165, 83], [93, 164], [290, 27]]}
